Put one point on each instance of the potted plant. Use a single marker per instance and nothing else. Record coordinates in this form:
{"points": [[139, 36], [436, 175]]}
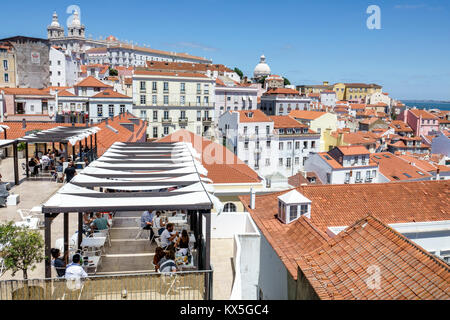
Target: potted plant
{"points": [[21, 149], [22, 249]]}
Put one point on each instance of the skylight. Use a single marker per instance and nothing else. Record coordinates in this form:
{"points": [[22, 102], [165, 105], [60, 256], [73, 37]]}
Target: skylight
{"points": [[386, 156], [421, 173], [407, 175]]}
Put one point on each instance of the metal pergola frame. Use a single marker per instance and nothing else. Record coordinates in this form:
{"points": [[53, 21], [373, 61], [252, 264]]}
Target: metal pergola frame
{"points": [[196, 211], [63, 136], [5, 145]]}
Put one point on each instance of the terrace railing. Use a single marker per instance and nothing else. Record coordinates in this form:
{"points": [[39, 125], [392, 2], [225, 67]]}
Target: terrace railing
{"points": [[192, 285]]}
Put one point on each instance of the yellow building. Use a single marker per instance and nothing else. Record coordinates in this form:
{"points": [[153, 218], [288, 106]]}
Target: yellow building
{"points": [[171, 101], [308, 89], [7, 66], [355, 91]]}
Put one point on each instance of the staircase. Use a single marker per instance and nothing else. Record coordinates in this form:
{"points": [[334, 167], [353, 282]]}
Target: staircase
{"points": [[127, 254]]}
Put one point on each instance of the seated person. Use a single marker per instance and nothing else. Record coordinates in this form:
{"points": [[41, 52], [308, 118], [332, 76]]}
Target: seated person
{"points": [[100, 222], [87, 221], [169, 264], [168, 236], [160, 256], [75, 270], [147, 222], [183, 243], [159, 222], [58, 263], [45, 161]]}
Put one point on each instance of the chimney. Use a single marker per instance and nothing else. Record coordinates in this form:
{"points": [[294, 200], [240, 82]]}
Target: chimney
{"points": [[24, 123], [438, 176], [252, 198]]}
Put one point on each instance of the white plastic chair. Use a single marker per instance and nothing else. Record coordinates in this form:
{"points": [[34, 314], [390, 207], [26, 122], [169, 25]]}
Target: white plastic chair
{"points": [[29, 220], [141, 231]]}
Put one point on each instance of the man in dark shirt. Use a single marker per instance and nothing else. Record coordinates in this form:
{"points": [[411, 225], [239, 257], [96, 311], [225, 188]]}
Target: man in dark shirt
{"points": [[59, 263], [70, 172]]}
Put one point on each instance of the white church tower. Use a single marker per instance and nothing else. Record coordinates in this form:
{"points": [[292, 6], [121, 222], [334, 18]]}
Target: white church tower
{"points": [[76, 29], [55, 31]]}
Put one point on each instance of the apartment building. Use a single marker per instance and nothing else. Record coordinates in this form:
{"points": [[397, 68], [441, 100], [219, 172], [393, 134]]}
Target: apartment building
{"points": [[7, 66], [234, 96], [172, 101], [343, 165], [281, 101]]}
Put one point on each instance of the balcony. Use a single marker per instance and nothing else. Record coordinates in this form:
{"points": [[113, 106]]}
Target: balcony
{"points": [[206, 120], [166, 121], [183, 120]]}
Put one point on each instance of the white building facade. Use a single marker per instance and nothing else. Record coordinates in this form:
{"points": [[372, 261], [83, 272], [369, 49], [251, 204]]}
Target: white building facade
{"points": [[172, 101], [343, 165], [281, 101]]}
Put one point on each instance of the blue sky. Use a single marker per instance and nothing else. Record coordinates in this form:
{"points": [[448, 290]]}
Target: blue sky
{"points": [[305, 41]]}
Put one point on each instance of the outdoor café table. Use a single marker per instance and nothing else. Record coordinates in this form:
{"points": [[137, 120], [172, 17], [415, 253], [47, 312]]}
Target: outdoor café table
{"points": [[92, 264], [176, 220], [93, 242]]}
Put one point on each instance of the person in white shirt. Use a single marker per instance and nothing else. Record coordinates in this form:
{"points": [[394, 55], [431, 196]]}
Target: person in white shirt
{"points": [[75, 270], [168, 237], [159, 223]]}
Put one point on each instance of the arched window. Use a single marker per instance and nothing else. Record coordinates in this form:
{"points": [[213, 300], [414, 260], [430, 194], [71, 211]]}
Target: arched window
{"points": [[230, 207]]}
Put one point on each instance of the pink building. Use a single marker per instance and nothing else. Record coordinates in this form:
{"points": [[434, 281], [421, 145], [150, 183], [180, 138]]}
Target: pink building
{"points": [[421, 121]]}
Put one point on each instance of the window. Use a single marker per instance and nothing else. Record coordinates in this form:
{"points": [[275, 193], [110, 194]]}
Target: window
{"points": [[199, 88], [305, 145], [288, 162], [166, 115], [166, 130], [155, 132], [313, 144], [199, 100], [297, 161], [154, 86], [229, 207], [183, 114], [111, 110], [143, 99], [155, 115], [59, 62], [245, 130], [267, 130], [289, 145], [182, 100], [347, 177], [293, 212], [280, 146], [268, 143], [206, 100], [166, 100], [182, 87], [5, 65], [280, 162], [143, 114], [166, 86], [99, 110], [374, 173], [206, 89], [329, 178], [142, 86], [358, 176], [199, 117], [297, 145], [303, 209], [6, 77], [267, 162]]}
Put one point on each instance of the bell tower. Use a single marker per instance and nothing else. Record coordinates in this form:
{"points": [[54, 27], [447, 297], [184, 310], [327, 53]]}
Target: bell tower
{"points": [[76, 29], [54, 30]]}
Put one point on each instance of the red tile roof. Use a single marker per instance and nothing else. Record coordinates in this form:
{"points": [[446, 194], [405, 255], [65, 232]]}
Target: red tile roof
{"points": [[341, 268], [26, 91], [396, 169], [105, 137], [286, 122], [66, 93], [308, 115], [422, 113], [92, 82], [342, 205], [223, 166], [281, 91], [253, 116], [353, 150], [110, 93]]}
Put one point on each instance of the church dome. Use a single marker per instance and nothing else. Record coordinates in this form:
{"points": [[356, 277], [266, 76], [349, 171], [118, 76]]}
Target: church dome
{"points": [[76, 20], [111, 39], [262, 69], [55, 22]]}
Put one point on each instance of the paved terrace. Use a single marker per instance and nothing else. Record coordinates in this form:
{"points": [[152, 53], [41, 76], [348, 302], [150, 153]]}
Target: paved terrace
{"points": [[126, 254]]}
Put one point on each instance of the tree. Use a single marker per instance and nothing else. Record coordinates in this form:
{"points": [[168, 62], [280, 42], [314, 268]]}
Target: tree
{"points": [[113, 72], [239, 72], [286, 82], [22, 248]]}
